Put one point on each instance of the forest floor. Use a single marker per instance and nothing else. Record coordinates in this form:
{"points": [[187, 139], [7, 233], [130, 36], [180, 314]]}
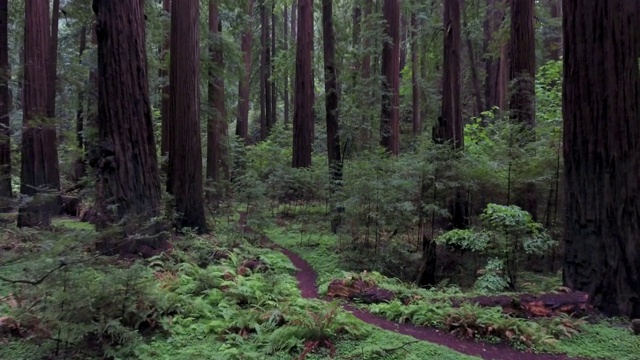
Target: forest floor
{"points": [[269, 293]]}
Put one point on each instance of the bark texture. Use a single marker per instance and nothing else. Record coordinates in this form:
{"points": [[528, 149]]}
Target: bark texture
{"points": [[415, 77], [496, 62], [601, 110], [303, 110], [266, 99], [523, 62], [125, 160], [450, 123], [164, 88], [52, 61], [331, 102], [39, 177], [5, 105], [244, 87], [185, 152], [217, 159], [390, 120], [522, 81], [451, 110]]}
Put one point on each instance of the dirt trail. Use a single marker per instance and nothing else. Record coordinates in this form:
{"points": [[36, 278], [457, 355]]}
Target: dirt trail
{"points": [[307, 283]]}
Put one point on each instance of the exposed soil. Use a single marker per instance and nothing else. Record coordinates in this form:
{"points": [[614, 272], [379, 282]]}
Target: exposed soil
{"points": [[307, 278]]}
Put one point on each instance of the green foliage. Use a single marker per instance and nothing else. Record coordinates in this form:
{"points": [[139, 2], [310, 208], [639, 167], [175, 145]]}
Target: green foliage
{"points": [[492, 280], [507, 233]]}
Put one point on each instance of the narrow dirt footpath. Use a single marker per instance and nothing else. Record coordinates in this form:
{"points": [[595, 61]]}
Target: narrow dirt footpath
{"points": [[307, 283]]}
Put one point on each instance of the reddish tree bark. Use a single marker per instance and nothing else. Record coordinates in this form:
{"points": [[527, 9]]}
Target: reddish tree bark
{"points": [[523, 62], [331, 93], [450, 126], [39, 175], [415, 77], [496, 64], [451, 111], [601, 111], [164, 89], [244, 87], [266, 110], [390, 120], [285, 37], [217, 166], [125, 161], [274, 94], [52, 61], [303, 110], [522, 79], [185, 152], [5, 105]]}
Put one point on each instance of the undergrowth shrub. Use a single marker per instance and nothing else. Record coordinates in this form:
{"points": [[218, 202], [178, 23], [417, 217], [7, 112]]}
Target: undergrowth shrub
{"points": [[507, 235]]}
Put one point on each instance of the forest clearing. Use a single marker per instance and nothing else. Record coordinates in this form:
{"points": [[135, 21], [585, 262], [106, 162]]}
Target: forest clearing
{"points": [[329, 179]]}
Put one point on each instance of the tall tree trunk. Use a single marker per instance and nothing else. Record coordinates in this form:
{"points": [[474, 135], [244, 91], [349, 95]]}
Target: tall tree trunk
{"points": [[523, 62], [415, 77], [553, 42], [52, 61], [266, 111], [52, 77], [125, 160], [522, 79], [475, 79], [451, 109], [285, 37], [294, 28], [450, 125], [244, 88], [5, 105], [331, 102], [303, 110], [79, 164], [390, 120], [217, 167], [185, 152], [274, 94], [403, 41], [496, 64], [601, 110], [39, 174], [164, 89]]}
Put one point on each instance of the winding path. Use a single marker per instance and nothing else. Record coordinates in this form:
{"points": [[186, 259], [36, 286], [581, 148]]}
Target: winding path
{"points": [[307, 283]]}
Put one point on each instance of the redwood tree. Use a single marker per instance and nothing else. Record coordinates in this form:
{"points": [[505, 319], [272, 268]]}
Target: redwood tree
{"points": [[217, 166], [496, 62], [244, 86], [126, 161], [451, 111], [185, 153], [266, 101], [303, 110], [52, 61], [522, 81], [331, 99], [523, 62], [450, 127], [5, 105], [164, 88], [601, 110], [390, 120], [415, 77], [39, 175]]}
